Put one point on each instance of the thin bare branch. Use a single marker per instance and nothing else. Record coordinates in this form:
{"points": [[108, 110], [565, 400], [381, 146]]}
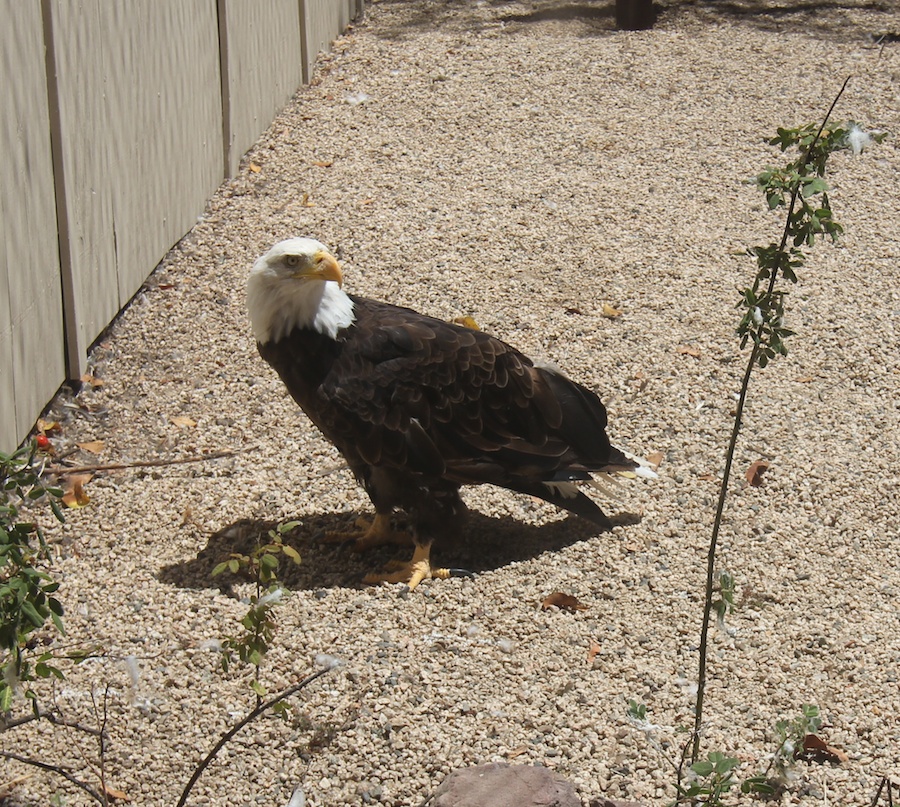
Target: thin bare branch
{"points": [[283, 695], [61, 470], [58, 770]]}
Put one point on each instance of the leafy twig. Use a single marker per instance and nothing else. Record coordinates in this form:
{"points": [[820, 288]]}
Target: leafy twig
{"points": [[767, 340]]}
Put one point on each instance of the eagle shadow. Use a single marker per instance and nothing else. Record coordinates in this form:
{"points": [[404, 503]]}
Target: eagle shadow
{"points": [[489, 543]]}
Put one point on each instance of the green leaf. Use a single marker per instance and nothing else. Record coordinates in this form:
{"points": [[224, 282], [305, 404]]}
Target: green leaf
{"points": [[757, 784], [282, 709], [812, 186], [723, 764], [703, 768], [43, 670], [31, 614], [637, 711], [6, 694]]}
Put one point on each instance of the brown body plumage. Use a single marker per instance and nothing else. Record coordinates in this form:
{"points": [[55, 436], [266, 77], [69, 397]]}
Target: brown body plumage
{"points": [[420, 407]]}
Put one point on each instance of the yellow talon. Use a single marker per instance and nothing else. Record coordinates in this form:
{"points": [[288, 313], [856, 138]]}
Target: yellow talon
{"points": [[412, 573], [377, 532]]}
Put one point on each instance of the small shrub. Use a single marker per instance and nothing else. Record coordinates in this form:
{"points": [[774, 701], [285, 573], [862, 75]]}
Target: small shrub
{"points": [[26, 590]]}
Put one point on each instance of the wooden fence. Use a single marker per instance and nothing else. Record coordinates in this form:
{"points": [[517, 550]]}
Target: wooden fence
{"points": [[120, 118]]}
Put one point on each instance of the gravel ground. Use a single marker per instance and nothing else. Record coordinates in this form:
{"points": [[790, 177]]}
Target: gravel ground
{"points": [[524, 164]]}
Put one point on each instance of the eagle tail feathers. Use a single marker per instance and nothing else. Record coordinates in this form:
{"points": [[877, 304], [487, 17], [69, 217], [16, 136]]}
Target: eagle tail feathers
{"points": [[640, 467]]}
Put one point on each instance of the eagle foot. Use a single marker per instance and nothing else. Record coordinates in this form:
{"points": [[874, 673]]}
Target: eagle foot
{"points": [[373, 533], [412, 572]]}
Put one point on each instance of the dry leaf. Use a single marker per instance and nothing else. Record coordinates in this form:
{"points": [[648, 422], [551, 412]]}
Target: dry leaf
{"points": [[817, 750], [655, 459], [74, 495], [608, 311], [118, 795], [807, 379], [91, 380], [93, 446], [45, 426], [183, 421], [517, 752], [689, 350], [755, 473], [323, 163], [255, 168], [467, 322], [566, 602], [592, 651], [188, 517], [305, 201], [570, 310]]}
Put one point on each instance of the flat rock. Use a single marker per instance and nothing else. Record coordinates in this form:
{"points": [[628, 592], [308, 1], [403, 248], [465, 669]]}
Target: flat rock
{"points": [[498, 784]]}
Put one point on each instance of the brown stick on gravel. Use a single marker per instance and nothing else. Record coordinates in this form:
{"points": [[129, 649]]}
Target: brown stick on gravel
{"points": [[59, 470]]}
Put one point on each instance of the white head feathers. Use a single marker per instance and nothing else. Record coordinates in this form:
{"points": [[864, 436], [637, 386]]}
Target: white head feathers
{"points": [[296, 284]]}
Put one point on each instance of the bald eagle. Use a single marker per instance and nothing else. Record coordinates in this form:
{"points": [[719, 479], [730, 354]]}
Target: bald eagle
{"points": [[420, 407]]}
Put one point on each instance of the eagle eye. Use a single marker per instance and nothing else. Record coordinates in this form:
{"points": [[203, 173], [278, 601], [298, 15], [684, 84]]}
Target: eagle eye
{"points": [[292, 260]]}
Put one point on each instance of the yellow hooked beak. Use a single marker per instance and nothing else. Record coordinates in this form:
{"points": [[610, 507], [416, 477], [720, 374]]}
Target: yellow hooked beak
{"points": [[324, 267]]}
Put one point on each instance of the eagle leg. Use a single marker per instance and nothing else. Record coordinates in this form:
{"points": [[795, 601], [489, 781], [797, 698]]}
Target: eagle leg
{"points": [[377, 532], [413, 572]]}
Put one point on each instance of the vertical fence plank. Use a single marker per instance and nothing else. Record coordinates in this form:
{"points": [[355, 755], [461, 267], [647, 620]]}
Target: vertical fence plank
{"points": [[31, 332], [141, 151], [162, 90], [258, 83], [321, 23], [87, 225]]}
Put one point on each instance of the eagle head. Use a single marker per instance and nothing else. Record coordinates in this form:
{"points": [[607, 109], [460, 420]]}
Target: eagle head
{"points": [[297, 284]]}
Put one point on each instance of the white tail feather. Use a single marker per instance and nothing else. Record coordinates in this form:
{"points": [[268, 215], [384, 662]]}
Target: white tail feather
{"points": [[644, 469]]}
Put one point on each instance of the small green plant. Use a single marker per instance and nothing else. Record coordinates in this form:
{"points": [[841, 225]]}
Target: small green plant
{"points": [[27, 598], [710, 780], [259, 625], [723, 603], [791, 734], [800, 189], [259, 622]]}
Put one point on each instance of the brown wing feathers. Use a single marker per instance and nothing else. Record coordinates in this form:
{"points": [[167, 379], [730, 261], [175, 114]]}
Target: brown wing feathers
{"points": [[409, 389]]}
